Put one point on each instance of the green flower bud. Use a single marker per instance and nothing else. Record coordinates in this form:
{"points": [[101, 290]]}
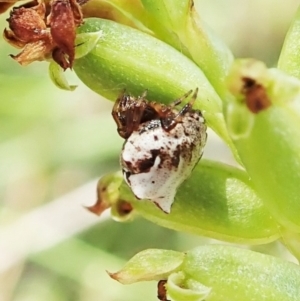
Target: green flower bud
{"points": [[125, 58], [215, 273], [57, 76], [149, 265], [178, 24], [108, 196], [269, 146]]}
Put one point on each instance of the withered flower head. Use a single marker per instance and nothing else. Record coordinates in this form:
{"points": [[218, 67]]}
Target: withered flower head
{"points": [[43, 35]]}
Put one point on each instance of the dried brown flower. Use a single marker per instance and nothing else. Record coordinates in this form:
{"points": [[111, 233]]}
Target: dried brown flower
{"points": [[43, 35]]}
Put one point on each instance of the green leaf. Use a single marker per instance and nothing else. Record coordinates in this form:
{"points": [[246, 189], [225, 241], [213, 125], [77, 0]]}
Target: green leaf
{"points": [[152, 264], [180, 19], [217, 201], [239, 121], [85, 42], [127, 58], [289, 60], [292, 241], [57, 76], [130, 13], [216, 272], [237, 274]]}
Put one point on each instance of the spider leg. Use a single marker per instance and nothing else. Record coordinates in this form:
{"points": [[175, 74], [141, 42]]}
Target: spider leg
{"points": [[178, 101], [128, 123], [128, 113], [165, 112], [121, 113], [189, 105], [138, 109], [137, 114], [170, 121], [116, 109], [143, 96]]}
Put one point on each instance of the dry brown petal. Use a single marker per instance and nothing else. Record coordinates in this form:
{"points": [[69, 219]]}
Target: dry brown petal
{"points": [[99, 207], [256, 96], [35, 51], [61, 58], [161, 290], [28, 30], [28, 24], [9, 36], [65, 16], [77, 12]]}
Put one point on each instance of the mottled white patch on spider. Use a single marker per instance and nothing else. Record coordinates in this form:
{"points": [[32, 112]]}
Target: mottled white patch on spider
{"points": [[162, 145], [155, 161]]}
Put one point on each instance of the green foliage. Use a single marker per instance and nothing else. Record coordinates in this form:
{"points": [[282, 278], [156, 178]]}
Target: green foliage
{"points": [[261, 112], [217, 201], [218, 272], [168, 50]]}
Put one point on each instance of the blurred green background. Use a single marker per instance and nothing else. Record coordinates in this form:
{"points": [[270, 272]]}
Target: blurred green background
{"points": [[54, 144]]}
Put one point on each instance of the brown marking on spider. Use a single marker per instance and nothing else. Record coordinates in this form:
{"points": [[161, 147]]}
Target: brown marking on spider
{"points": [[255, 94], [129, 112]]}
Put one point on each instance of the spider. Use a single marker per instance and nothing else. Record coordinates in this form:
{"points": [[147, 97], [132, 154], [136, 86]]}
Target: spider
{"points": [[162, 145], [129, 112]]}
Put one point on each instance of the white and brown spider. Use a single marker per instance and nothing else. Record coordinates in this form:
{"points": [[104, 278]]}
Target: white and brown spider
{"points": [[162, 145]]}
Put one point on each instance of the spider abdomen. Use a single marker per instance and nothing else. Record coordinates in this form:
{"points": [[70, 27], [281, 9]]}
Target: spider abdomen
{"points": [[156, 159]]}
